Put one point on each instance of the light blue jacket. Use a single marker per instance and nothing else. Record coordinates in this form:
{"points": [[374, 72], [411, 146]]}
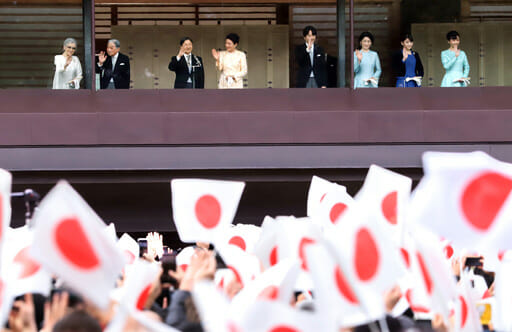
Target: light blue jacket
{"points": [[456, 67], [369, 67]]}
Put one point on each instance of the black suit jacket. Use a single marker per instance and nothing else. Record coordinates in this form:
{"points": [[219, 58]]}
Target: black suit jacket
{"points": [[182, 75], [398, 66], [121, 72], [304, 63]]}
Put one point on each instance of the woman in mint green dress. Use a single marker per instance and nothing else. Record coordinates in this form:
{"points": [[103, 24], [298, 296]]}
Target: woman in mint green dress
{"points": [[366, 64], [455, 62]]}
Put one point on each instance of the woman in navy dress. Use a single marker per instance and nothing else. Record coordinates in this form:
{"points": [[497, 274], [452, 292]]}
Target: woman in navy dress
{"points": [[406, 64]]}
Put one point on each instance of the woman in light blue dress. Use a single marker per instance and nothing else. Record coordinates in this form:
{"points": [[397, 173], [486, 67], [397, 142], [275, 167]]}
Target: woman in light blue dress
{"points": [[455, 62], [366, 64]]}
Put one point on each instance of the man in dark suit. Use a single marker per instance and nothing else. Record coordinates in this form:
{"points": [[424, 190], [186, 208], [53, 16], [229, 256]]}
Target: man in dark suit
{"points": [[188, 67], [310, 58], [114, 68]]}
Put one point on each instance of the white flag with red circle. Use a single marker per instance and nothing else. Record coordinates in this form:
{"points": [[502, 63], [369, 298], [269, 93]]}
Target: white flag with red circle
{"points": [[245, 266], [385, 194], [204, 209], [267, 246], [70, 242], [368, 254], [335, 292], [184, 257], [243, 236], [130, 248], [29, 276], [318, 189], [334, 204], [467, 318], [5, 203], [278, 317], [135, 292], [465, 197], [274, 284]]}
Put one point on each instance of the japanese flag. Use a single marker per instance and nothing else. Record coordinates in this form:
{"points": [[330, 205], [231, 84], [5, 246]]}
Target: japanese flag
{"points": [[135, 292], [70, 241], [318, 189], [431, 267], [244, 266], [29, 276], [5, 203], [275, 284], [465, 197], [111, 231], [129, 247], [278, 317], [240, 235], [466, 315], [385, 194], [334, 204], [368, 255], [204, 209], [266, 248], [335, 293], [184, 257]]}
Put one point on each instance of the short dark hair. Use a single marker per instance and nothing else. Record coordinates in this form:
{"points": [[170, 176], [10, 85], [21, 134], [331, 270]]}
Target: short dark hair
{"points": [[406, 36], [452, 35], [184, 39], [366, 34], [77, 321], [307, 29], [233, 37]]}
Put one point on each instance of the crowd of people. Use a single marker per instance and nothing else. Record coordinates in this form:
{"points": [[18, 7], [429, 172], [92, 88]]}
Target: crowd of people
{"points": [[310, 59], [382, 260]]}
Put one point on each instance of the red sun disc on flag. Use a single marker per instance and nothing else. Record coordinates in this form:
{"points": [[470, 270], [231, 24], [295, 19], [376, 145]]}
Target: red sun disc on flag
{"points": [[483, 198], [389, 207], [427, 279], [238, 241], [130, 257], [336, 211], [238, 277], [208, 211], [269, 293], [366, 255], [463, 311], [283, 328], [143, 297], [74, 245], [304, 242], [29, 266], [273, 256], [343, 286], [448, 251], [405, 256]]}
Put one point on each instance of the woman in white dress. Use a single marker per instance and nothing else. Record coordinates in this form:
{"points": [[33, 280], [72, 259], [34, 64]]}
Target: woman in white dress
{"points": [[68, 70], [231, 63]]}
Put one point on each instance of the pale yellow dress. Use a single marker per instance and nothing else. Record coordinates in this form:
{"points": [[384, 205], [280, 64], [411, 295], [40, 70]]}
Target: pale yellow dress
{"points": [[232, 64]]}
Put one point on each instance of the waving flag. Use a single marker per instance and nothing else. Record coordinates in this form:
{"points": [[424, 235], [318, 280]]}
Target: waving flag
{"points": [[204, 209], [70, 241], [318, 189]]}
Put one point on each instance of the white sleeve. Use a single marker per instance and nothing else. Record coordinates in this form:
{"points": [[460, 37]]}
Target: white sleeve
{"points": [[59, 62]]}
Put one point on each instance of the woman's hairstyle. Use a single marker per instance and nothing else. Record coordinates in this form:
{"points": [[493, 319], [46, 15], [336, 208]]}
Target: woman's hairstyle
{"points": [[452, 35], [307, 29], [406, 36], [68, 41], [184, 39], [366, 34], [233, 37]]}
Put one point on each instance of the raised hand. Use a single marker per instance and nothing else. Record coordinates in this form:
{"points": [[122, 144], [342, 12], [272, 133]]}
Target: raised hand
{"points": [[102, 57], [181, 51], [215, 54], [22, 317], [359, 55], [55, 311], [404, 53]]}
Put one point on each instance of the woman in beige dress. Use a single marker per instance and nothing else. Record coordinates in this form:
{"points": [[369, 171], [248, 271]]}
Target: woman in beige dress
{"points": [[231, 63]]}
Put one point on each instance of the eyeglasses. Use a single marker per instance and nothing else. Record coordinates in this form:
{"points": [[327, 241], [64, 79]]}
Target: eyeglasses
{"points": [[71, 47]]}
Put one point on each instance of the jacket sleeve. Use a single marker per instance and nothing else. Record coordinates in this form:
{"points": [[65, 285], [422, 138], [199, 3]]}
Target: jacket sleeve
{"points": [[419, 65], [465, 65], [177, 314], [378, 69], [448, 59], [243, 67], [356, 64], [301, 56], [173, 63], [126, 72]]}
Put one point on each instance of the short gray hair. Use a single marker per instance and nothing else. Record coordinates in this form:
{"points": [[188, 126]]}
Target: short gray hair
{"points": [[115, 42], [68, 41]]}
